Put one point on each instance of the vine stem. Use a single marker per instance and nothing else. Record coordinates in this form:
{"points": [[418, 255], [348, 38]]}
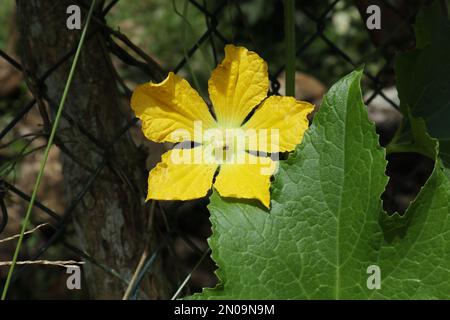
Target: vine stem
{"points": [[183, 284], [47, 150], [289, 38]]}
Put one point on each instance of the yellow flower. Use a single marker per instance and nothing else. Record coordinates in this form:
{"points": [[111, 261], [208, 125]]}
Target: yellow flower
{"points": [[172, 111]]}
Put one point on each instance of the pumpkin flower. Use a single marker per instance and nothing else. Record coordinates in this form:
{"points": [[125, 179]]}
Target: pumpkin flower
{"points": [[228, 145]]}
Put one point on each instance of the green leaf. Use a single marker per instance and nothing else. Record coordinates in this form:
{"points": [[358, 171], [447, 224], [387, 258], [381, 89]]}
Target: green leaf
{"points": [[429, 21], [415, 258], [323, 230], [444, 152], [412, 136], [423, 79], [423, 82]]}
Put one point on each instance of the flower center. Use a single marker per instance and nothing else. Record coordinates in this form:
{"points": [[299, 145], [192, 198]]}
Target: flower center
{"points": [[221, 151], [224, 147]]}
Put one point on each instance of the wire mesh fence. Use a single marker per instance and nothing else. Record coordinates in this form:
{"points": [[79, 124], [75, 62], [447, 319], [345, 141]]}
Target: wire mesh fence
{"points": [[213, 39]]}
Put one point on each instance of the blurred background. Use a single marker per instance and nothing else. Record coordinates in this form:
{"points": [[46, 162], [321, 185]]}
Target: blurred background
{"points": [[136, 42]]}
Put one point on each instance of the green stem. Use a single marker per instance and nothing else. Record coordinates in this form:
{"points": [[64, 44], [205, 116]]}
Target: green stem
{"points": [[289, 38], [47, 151], [183, 16], [183, 284]]}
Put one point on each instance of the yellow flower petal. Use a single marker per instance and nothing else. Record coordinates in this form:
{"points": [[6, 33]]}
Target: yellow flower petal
{"points": [[168, 110], [237, 85], [250, 180], [278, 124], [181, 175]]}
